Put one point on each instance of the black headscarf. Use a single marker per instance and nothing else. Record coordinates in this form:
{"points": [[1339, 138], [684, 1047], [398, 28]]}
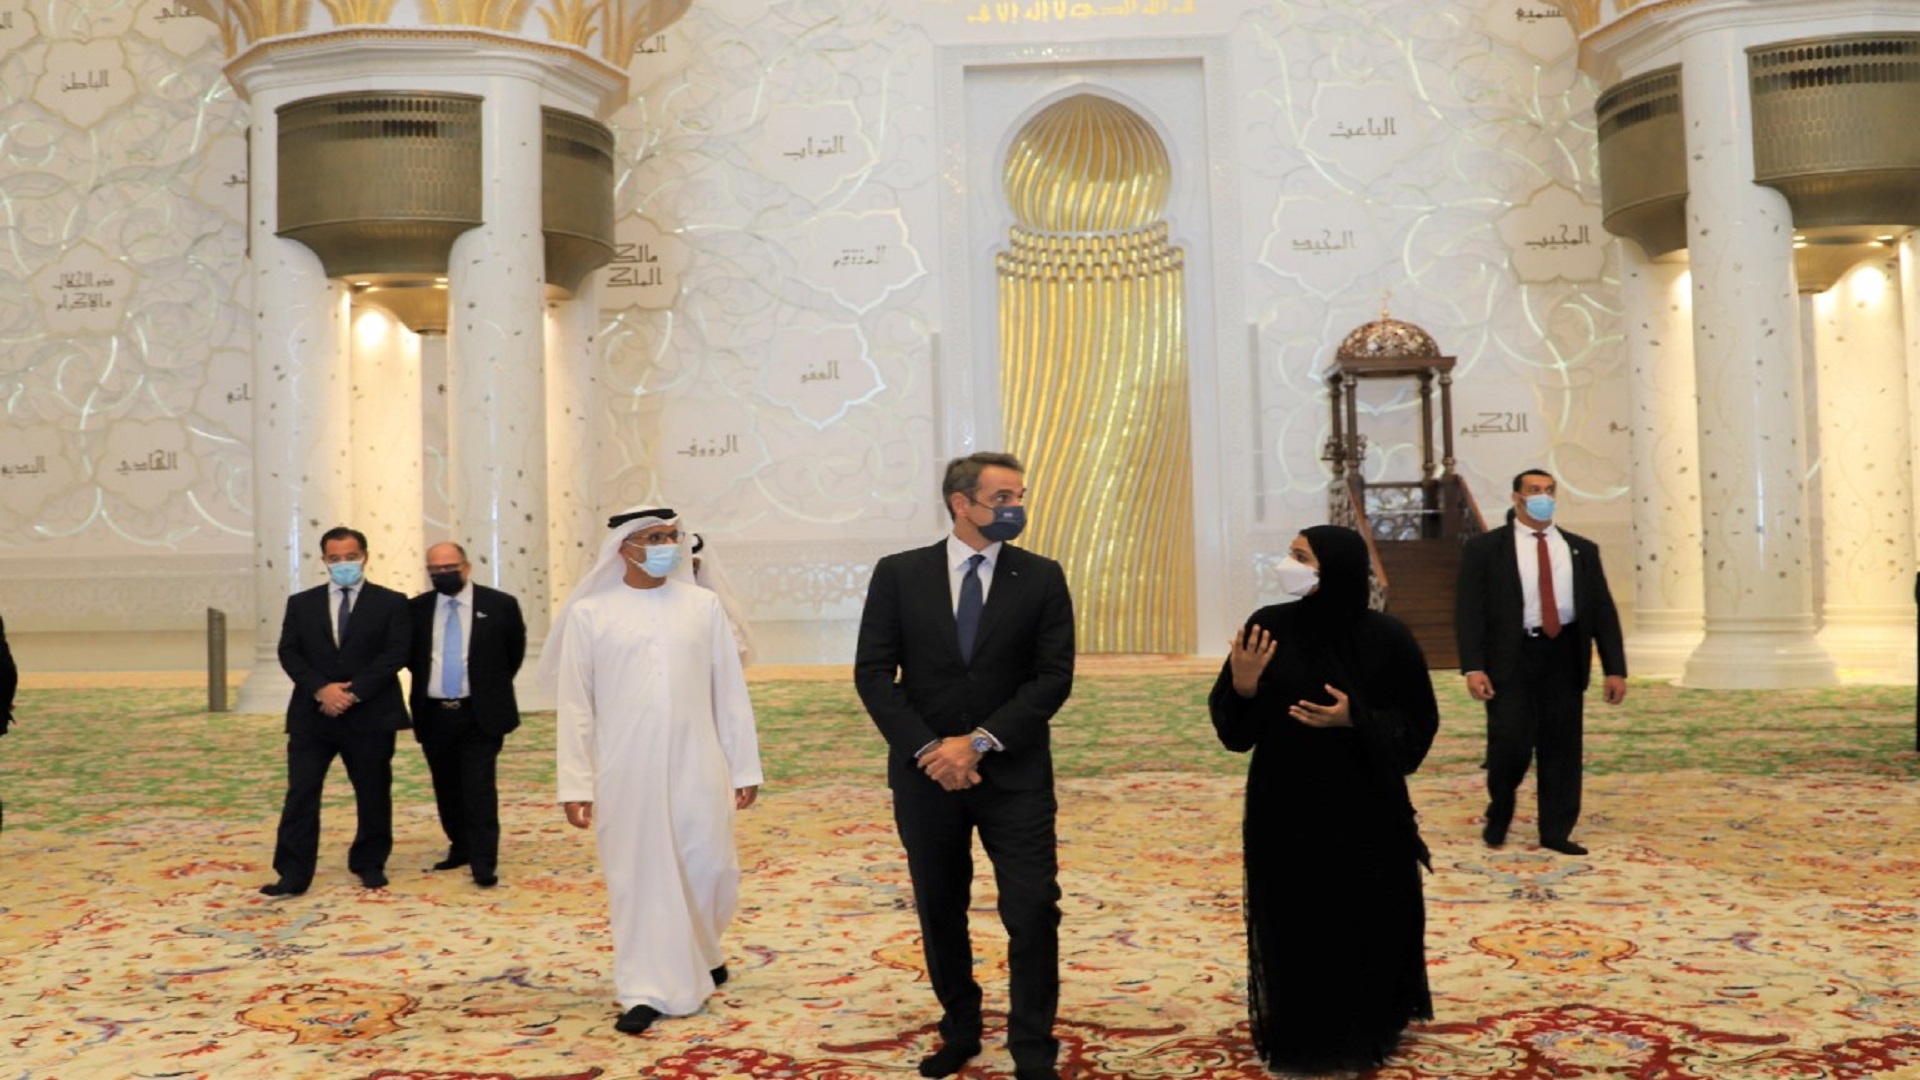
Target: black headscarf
{"points": [[1345, 571]]}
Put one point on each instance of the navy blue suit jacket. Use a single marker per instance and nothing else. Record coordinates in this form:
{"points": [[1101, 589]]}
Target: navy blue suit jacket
{"points": [[369, 659], [908, 670]]}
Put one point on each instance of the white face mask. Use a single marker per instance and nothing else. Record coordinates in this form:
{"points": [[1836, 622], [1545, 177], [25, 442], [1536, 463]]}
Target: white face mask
{"points": [[1296, 577]]}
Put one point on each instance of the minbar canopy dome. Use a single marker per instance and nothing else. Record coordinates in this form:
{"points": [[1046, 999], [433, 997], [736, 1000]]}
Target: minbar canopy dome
{"points": [[1387, 338]]}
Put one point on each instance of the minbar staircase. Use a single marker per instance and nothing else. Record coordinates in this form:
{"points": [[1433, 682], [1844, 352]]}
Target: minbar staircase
{"points": [[1422, 576], [1414, 532]]}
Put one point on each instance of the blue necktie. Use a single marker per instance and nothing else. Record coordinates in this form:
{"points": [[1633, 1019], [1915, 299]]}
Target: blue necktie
{"points": [[452, 663], [346, 608], [966, 617]]}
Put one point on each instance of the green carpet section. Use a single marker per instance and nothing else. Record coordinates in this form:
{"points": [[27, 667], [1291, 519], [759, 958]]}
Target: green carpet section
{"points": [[68, 760]]}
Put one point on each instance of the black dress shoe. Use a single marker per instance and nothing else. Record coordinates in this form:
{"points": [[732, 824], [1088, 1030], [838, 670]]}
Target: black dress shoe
{"points": [[1493, 835], [949, 1059], [1035, 1072], [281, 888], [486, 881], [374, 879], [720, 976], [636, 1020], [1564, 847], [451, 862]]}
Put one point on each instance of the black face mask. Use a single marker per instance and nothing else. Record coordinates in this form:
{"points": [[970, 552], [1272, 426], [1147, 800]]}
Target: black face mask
{"points": [[448, 584]]}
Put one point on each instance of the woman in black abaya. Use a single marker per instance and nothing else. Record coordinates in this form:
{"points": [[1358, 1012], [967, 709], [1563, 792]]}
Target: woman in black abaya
{"points": [[1335, 702]]}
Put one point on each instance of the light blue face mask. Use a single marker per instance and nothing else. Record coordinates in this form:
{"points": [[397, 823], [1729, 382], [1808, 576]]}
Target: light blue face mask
{"points": [[662, 559], [345, 574], [1540, 507]]}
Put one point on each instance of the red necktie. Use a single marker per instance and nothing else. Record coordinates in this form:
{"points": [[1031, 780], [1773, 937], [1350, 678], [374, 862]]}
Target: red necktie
{"points": [[1549, 606]]}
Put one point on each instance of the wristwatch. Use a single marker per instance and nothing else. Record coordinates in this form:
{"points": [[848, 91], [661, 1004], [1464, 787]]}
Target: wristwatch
{"points": [[981, 744]]}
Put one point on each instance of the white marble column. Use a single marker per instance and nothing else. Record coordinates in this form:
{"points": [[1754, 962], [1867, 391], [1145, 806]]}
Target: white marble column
{"points": [[1910, 336], [302, 446], [1666, 465], [436, 487], [388, 480], [1758, 573], [1865, 475], [576, 511], [496, 427]]}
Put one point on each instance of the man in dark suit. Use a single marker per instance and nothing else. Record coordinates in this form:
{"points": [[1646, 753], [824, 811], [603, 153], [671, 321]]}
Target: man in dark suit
{"points": [[1531, 607], [343, 645], [468, 642], [965, 653], [9, 681]]}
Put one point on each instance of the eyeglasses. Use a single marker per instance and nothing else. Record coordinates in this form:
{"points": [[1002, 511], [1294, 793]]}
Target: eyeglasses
{"points": [[651, 539], [443, 568]]}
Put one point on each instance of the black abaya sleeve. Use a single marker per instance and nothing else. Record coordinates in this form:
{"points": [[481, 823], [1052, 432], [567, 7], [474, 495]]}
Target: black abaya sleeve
{"points": [[1237, 720], [1401, 716]]}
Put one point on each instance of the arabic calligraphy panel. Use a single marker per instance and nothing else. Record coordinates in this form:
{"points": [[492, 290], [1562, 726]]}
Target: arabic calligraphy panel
{"points": [[813, 149], [224, 401], [707, 447], [84, 80], [17, 25], [1555, 235], [84, 292], [861, 258], [1366, 131], [221, 181], [34, 468], [1324, 244], [1536, 26], [173, 24], [646, 267], [819, 370], [146, 463]]}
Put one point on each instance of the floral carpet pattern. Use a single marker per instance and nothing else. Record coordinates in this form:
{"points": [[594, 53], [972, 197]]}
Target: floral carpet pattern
{"points": [[1749, 909]]}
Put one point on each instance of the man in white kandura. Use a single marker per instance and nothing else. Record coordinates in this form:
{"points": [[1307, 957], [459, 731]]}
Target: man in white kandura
{"points": [[657, 749]]}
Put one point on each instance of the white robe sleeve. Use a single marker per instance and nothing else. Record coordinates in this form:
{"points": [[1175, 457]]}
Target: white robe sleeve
{"points": [[732, 707], [574, 705]]}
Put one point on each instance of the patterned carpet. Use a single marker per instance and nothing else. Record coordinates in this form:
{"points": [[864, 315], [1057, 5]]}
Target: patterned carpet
{"points": [[1748, 911]]}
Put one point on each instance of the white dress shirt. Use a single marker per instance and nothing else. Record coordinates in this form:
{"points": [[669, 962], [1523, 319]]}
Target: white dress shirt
{"points": [[440, 601], [1526, 552], [957, 555]]}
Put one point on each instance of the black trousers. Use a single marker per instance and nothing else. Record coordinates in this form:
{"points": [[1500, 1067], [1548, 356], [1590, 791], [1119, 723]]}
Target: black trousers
{"points": [[464, 762], [1539, 713], [1017, 830], [369, 762]]}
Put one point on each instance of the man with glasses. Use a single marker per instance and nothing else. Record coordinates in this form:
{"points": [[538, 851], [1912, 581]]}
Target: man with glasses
{"points": [[657, 750], [468, 642], [343, 645], [965, 653]]}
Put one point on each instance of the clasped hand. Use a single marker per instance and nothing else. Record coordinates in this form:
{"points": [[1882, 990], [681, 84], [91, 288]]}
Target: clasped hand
{"points": [[335, 698], [952, 764]]}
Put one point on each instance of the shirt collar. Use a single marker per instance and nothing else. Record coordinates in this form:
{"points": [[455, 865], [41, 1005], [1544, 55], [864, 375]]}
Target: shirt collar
{"points": [[958, 552], [465, 596]]}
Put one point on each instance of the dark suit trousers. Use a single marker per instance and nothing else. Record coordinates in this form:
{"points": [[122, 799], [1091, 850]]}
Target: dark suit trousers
{"points": [[463, 760], [369, 762], [1017, 830], [1539, 713]]}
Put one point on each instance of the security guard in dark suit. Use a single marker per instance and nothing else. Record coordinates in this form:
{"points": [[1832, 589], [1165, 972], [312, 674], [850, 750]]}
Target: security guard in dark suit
{"points": [[468, 643]]}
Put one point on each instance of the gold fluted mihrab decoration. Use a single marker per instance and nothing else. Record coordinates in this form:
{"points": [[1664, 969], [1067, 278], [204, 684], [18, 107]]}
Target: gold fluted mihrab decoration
{"points": [[608, 29], [1094, 382]]}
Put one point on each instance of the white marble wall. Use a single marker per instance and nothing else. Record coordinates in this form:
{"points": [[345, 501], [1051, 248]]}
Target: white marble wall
{"points": [[779, 335]]}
